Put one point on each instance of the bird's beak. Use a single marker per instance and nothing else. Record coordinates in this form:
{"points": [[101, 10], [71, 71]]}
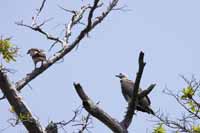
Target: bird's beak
{"points": [[117, 76]]}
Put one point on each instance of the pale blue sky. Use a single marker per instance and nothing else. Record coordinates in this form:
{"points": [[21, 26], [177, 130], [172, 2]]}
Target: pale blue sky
{"points": [[166, 30]]}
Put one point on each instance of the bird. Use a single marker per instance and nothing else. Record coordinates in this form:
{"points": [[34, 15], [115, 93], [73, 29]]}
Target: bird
{"points": [[37, 55], [127, 87]]}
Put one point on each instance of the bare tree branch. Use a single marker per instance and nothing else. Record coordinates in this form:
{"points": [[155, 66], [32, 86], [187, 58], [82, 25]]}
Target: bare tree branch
{"points": [[134, 101], [77, 16], [40, 30], [34, 19], [98, 113], [176, 125], [85, 125], [100, 18], [21, 110], [41, 7]]}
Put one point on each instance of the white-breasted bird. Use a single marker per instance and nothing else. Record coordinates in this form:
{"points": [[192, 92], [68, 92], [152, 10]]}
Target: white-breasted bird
{"points": [[37, 55], [127, 87]]}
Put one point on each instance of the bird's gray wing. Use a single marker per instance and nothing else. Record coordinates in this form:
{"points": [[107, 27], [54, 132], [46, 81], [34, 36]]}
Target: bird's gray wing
{"points": [[127, 88]]}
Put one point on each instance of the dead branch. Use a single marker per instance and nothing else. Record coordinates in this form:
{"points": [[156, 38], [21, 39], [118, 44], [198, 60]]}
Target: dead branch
{"points": [[105, 118], [85, 124], [41, 7], [97, 112], [77, 16], [34, 19], [132, 105], [100, 18], [40, 30]]}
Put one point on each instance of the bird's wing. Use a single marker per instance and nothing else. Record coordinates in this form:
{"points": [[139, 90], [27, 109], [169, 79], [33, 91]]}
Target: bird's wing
{"points": [[146, 98], [127, 88], [39, 56], [146, 109]]}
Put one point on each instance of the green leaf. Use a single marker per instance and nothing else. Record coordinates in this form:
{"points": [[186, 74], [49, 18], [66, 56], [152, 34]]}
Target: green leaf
{"points": [[187, 93], [7, 50], [196, 129], [159, 129], [192, 106]]}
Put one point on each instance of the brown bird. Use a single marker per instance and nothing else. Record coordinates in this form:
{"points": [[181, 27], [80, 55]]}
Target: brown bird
{"points": [[37, 55], [127, 87]]}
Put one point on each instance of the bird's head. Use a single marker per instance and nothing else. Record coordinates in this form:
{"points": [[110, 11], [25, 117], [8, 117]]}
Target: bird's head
{"points": [[34, 51], [121, 76]]}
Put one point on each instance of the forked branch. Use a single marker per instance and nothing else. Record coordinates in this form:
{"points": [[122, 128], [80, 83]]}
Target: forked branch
{"points": [[134, 101]]}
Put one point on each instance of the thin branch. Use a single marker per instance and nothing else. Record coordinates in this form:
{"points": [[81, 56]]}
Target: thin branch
{"points": [[85, 124], [132, 105], [41, 7], [98, 112], [182, 104], [40, 30], [38, 13], [67, 10], [122, 8], [100, 18], [173, 124], [77, 16], [64, 123]]}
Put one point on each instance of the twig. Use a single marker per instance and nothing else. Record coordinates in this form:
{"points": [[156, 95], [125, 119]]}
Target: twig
{"points": [[41, 7], [122, 8], [173, 124], [40, 30], [38, 13], [85, 124], [182, 104], [77, 16], [67, 10]]}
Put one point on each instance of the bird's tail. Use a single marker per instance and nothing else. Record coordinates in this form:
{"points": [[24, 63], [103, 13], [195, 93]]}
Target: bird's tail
{"points": [[150, 111], [145, 109]]}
